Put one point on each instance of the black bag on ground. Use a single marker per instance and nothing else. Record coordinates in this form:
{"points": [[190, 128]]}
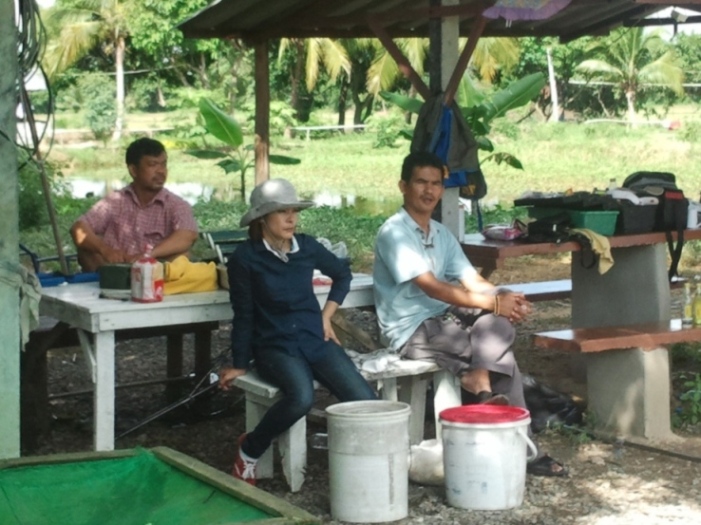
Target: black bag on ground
{"points": [[548, 407], [671, 211]]}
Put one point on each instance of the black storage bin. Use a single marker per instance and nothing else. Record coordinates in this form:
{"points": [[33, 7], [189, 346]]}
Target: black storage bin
{"points": [[635, 218]]}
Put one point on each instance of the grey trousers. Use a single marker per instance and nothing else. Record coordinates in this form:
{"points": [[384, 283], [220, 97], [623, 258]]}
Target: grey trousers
{"points": [[464, 339]]}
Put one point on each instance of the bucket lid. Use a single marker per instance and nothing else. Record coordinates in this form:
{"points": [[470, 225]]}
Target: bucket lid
{"points": [[484, 414], [369, 408]]}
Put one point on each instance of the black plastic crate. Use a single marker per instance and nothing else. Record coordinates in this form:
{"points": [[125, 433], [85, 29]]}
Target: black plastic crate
{"points": [[635, 219]]}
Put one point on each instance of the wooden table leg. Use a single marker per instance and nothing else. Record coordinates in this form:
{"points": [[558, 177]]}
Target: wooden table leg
{"points": [[174, 366], [203, 349], [103, 354]]}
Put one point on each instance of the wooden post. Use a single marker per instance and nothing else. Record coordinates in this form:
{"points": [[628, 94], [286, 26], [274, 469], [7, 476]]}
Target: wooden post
{"points": [[262, 141], [555, 116], [444, 37], [9, 239]]}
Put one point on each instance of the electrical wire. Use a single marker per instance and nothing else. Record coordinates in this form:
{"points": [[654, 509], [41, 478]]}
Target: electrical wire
{"points": [[31, 43]]}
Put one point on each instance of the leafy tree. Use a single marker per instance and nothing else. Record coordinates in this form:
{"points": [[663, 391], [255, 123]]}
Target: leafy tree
{"points": [[308, 57], [236, 156], [152, 29], [75, 27], [480, 109], [360, 53], [97, 91], [634, 59], [566, 57], [491, 56], [688, 48]]}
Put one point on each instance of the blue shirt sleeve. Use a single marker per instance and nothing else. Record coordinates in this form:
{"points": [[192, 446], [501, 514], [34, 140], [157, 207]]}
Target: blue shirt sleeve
{"points": [[330, 265]]}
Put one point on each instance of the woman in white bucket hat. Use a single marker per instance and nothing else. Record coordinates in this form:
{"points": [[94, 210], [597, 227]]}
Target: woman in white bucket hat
{"points": [[278, 323]]}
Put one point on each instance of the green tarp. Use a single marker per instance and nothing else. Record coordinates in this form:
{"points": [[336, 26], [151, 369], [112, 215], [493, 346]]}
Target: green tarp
{"points": [[136, 490]]}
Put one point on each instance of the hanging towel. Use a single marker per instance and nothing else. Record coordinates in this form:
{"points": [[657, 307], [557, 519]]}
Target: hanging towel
{"points": [[29, 293], [183, 276], [600, 246], [444, 131]]}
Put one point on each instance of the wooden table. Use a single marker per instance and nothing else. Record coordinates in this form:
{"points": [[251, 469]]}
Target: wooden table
{"points": [[97, 320], [489, 254], [628, 389]]}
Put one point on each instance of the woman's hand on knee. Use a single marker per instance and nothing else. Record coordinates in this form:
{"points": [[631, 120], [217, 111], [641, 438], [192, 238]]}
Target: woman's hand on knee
{"points": [[227, 375]]}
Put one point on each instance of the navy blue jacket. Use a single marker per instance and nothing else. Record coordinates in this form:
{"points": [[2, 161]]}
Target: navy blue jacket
{"points": [[274, 302]]}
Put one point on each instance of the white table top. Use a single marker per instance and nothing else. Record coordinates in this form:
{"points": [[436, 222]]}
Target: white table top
{"points": [[80, 305]]}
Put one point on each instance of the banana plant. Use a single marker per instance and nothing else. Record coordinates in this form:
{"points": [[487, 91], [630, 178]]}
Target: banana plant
{"points": [[480, 109], [237, 156]]}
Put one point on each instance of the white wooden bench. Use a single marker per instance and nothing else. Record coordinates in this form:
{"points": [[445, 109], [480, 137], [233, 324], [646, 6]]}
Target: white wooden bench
{"points": [[402, 380]]}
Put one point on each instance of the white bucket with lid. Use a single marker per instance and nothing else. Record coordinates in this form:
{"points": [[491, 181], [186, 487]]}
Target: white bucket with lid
{"points": [[484, 455], [368, 445]]}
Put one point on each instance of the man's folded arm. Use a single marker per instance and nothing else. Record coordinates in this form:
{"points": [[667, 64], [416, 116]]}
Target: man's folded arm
{"points": [[178, 243]]}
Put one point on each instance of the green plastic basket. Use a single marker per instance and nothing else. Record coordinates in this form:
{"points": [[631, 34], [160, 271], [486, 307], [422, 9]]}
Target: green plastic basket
{"points": [[603, 222]]}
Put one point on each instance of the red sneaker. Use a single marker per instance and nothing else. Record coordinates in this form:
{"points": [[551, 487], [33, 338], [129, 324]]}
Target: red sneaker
{"points": [[244, 469]]}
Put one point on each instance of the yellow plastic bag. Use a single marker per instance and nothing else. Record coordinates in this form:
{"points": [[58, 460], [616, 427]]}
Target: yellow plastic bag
{"points": [[183, 276]]}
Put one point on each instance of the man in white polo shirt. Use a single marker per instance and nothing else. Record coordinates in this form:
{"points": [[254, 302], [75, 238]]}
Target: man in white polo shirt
{"points": [[432, 303]]}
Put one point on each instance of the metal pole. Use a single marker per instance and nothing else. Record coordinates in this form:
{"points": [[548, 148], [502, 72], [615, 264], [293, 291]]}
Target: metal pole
{"points": [[9, 237], [29, 112]]}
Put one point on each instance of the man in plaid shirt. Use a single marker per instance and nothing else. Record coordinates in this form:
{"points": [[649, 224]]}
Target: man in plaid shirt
{"points": [[119, 227]]}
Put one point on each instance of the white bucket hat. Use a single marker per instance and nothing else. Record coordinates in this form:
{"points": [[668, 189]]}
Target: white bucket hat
{"points": [[272, 195]]}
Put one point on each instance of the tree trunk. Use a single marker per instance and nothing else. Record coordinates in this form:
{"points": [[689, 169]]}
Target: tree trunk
{"points": [[630, 97], [342, 101], [203, 72], [119, 67], [161, 97], [296, 76], [181, 76], [555, 115], [408, 114], [357, 86]]}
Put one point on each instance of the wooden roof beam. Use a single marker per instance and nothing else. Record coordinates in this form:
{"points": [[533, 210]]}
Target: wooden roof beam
{"points": [[400, 59], [308, 19]]}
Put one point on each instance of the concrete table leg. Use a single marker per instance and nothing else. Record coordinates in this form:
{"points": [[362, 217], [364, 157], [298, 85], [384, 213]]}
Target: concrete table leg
{"points": [[628, 392]]}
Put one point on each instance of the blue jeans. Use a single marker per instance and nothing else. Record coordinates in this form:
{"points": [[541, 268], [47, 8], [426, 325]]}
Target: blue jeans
{"points": [[295, 376]]}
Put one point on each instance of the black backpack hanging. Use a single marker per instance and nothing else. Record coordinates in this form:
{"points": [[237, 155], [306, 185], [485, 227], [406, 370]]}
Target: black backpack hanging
{"points": [[671, 213]]}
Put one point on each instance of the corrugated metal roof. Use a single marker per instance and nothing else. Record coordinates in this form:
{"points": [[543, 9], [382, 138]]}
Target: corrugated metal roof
{"points": [[260, 19]]}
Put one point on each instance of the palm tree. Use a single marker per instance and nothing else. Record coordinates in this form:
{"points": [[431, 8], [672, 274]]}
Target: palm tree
{"points": [[632, 59], [77, 27], [490, 55], [311, 54]]}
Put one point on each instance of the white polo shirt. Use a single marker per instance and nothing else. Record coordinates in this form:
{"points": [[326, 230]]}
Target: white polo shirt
{"points": [[402, 253]]}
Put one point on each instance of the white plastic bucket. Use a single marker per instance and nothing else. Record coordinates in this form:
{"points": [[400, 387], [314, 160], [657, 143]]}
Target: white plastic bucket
{"points": [[484, 456], [369, 460]]}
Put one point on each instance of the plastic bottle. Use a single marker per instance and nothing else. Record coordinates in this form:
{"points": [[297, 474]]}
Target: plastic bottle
{"points": [[688, 307], [697, 305], [613, 185], [147, 279]]}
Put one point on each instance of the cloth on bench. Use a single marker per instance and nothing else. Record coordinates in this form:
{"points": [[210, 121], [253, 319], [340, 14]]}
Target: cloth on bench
{"points": [[17, 276]]}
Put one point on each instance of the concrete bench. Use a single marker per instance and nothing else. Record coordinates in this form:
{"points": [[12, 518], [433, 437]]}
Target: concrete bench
{"points": [[543, 290], [402, 380], [628, 379], [558, 289]]}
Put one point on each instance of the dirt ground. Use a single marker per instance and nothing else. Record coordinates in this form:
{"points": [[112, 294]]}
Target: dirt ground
{"points": [[609, 483]]}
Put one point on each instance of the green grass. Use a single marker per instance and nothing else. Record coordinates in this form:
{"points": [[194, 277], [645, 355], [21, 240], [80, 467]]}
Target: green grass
{"points": [[556, 157]]}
